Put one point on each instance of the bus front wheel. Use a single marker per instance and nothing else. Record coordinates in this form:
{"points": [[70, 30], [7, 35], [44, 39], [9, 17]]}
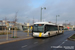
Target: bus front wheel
{"points": [[48, 34], [56, 33]]}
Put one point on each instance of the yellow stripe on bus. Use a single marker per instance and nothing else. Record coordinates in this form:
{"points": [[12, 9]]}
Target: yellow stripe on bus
{"points": [[40, 34]]}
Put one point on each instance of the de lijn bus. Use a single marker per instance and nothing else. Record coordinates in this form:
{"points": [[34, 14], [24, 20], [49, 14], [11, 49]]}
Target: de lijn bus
{"points": [[46, 29]]}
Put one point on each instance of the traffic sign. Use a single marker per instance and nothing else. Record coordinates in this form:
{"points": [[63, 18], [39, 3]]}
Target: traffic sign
{"points": [[31, 27]]}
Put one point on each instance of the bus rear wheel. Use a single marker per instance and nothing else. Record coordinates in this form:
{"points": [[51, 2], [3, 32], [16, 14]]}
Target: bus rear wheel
{"points": [[62, 32]]}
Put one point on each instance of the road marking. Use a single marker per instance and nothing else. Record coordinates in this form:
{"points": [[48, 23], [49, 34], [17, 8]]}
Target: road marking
{"points": [[24, 46], [60, 45], [35, 42], [65, 40]]}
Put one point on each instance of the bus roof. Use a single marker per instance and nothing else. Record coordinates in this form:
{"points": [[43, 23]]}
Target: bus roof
{"points": [[45, 23], [60, 25]]}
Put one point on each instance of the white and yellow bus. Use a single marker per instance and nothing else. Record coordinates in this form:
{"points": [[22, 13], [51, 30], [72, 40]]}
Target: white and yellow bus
{"points": [[46, 29]]}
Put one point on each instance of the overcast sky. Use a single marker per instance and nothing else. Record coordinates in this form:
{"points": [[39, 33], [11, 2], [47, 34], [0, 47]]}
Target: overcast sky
{"points": [[27, 9]]}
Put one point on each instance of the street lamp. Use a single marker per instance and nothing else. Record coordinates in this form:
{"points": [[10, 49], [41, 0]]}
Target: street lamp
{"points": [[56, 18], [41, 13]]}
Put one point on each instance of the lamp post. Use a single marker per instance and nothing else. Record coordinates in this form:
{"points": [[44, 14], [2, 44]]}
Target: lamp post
{"points": [[56, 18], [41, 13]]}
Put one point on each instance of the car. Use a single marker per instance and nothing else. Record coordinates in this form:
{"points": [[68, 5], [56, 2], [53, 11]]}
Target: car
{"points": [[74, 29]]}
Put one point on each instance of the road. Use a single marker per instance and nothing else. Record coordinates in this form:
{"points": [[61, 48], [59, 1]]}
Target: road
{"points": [[58, 42]]}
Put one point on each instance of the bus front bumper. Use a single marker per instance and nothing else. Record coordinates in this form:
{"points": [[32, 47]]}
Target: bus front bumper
{"points": [[39, 35]]}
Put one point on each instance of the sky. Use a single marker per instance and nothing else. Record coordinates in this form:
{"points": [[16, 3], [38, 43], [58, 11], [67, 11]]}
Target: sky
{"points": [[29, 9]]}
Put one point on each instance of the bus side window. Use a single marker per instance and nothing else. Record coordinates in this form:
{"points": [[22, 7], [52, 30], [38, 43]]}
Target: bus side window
{"points": [[55, 29], [60, 28], [46, 28]]}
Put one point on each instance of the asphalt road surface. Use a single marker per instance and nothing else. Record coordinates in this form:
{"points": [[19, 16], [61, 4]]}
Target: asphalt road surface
{"points": [[58, 42]]}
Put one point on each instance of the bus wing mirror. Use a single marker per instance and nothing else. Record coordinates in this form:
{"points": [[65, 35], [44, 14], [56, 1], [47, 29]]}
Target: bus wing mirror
{"points": [[45, 29]]}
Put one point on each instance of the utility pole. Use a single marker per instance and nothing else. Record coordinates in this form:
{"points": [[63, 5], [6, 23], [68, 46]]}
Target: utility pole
{"points": [[41, 13], [5, 22], [7, 25], [56, 18], [15, 34]]}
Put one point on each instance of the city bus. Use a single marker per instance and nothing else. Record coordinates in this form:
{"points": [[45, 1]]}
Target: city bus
{"points": [[46, 29]]}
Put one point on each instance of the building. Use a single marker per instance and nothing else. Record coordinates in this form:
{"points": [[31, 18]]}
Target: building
{"points": [[10, 24], [68, 26]]}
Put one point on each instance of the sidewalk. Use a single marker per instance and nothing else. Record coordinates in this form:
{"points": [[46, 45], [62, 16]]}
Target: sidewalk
{"points": [[21, 36]]}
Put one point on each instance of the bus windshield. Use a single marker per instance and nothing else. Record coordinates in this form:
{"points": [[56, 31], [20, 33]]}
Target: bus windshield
{"points": [[38, 28]]}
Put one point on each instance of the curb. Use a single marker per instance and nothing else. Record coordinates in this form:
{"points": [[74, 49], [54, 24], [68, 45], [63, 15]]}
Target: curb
{"points": [[71, 38], [14, 40]]}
